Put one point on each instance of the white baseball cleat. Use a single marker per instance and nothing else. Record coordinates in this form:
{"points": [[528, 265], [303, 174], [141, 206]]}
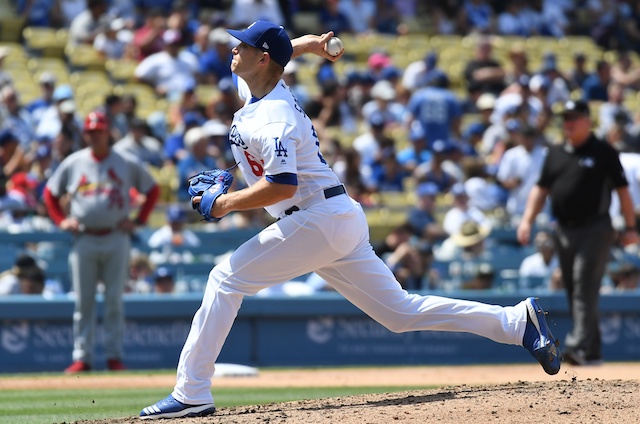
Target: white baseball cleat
{"points": [[171, 408]]}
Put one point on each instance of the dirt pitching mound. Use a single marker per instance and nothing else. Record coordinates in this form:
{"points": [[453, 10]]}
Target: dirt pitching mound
{"points": [[560, 401]]}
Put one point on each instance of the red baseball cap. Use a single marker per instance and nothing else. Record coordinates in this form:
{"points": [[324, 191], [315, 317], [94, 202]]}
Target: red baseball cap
{"points": [[96, 121], [22, 180]]}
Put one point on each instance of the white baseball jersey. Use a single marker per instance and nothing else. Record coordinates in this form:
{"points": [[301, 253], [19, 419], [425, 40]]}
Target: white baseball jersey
{"points": [[517, 162], [631, 164], [277, 137]]}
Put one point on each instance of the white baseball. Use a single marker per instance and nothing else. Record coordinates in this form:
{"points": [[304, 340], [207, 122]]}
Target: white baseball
{"points": [[334, 46]]}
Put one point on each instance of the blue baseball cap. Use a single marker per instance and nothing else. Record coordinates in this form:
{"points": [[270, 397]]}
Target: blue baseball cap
{"points": [[427, 189], [226, 85], [475, 128], [267, 37], [62, 92], [175, 214], [162, 272], [458, 190], [513, 125], [430, 60], [192, 118], [443, 146], [377, 120], [6, 136]]}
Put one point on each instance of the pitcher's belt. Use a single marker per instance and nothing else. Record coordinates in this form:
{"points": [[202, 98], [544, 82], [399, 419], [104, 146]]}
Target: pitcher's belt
{"points": [[327, 193]]}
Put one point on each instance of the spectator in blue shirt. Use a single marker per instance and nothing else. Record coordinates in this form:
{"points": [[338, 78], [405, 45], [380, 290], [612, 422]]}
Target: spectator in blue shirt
{"points": [[417, 153], [437, 109], [37, 107], [332, 19], [174, 147], [480, 16], [433, 171], [387, 173], [595, 87], [196, 159], [421, 217], [216, 61]]}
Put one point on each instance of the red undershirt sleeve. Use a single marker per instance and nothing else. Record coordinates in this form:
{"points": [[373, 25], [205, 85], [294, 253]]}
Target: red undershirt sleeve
{"points": [[53, 207], [146, 208]]}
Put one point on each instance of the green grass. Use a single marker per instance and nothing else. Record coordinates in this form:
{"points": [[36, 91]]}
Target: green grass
{"points": [[58, 406]]}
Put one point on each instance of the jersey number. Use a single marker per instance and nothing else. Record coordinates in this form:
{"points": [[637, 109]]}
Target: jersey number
{"points": [[256, 167], [315, 135]]}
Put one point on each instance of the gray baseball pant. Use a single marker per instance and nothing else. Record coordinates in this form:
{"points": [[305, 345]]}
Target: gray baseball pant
{"points": [[95, 259]]}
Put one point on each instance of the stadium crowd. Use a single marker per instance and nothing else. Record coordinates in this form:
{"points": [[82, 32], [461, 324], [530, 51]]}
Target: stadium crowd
{"points": [[461, 148]]}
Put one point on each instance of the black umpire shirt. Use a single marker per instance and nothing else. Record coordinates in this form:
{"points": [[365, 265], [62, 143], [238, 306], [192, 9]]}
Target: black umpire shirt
{"points": [[580, 180]]}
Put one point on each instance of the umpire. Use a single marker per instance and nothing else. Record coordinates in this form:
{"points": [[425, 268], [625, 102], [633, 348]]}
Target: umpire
{"points": [[579, 176]]}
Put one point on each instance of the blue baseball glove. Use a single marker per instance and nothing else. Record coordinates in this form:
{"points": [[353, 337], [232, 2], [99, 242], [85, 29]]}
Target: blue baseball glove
{"points": [[209, 185]]}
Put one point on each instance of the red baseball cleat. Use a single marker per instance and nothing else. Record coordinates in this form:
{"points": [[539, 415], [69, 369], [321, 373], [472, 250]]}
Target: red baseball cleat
{"points": [[77, 367], [115, 365]]}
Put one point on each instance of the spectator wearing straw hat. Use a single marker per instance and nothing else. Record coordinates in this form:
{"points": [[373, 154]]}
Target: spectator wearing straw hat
{"points": [[461, 212]]}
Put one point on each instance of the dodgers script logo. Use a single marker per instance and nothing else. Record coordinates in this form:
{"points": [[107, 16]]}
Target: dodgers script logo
{"points": [[235, 139]]}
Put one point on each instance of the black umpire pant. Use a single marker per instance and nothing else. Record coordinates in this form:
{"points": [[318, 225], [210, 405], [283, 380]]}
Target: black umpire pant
{"points": [[583, 253]]}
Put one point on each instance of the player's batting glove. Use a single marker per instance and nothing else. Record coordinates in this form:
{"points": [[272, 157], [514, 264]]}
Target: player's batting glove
{"points": [[209, 185]]}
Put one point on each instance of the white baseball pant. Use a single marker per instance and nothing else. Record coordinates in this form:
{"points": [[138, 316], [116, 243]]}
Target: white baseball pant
{"points": [[331, 238]]}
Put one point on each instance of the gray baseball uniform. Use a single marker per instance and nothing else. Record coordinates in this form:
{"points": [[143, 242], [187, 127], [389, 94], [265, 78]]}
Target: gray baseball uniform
{"points": [[99, 195]]}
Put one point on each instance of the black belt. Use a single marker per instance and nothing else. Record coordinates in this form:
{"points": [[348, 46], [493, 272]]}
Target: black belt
{"points": [[328, 194], [581, 222]]}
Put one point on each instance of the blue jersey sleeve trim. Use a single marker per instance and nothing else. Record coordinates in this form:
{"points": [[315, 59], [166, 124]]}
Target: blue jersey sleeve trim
{"points": [[234, 77], [285, 178]]}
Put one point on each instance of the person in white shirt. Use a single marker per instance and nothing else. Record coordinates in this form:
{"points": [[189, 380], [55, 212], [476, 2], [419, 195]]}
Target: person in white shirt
{"points": [[519, 95], [170, 71], [520, 169], [244, 12], [51, 121], [139, 145], [613, 107], [16, 117], [541, 265], [510, 22], [497, 131], [89, 23], [631, 165], [361, 14], [461, 212], [384, 101], [111, 43], [173, 233], [370, 144], [70, 9], [554, 17]]}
